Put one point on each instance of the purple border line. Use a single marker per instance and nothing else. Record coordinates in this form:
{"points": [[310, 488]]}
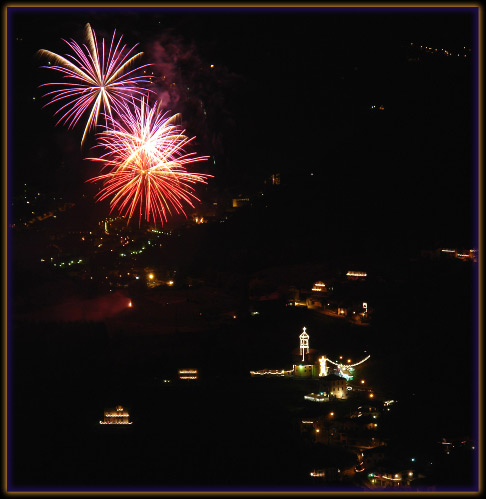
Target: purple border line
{"points": [[10, 11]]}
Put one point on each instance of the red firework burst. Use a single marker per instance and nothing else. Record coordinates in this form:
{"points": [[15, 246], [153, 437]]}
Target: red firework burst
{"points": [[146, 162]]}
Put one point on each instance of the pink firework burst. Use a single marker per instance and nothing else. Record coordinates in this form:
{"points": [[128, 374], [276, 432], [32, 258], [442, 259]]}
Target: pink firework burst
{"points": [[99, 81], [146, 158]]}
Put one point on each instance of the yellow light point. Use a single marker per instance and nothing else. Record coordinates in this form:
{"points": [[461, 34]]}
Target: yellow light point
{"points": [[317, 430], [349, 360], [170, 283], [371, 395], [129, 303], [362, 381], [331, 414], [150, 276]]}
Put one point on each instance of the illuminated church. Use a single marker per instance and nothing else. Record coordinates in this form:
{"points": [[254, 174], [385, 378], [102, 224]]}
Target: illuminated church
{"points": [[308, 364], [116, 416]]}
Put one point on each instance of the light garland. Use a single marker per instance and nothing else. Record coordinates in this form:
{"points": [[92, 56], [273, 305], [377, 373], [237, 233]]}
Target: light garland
{"points": [[273, 372], [349, 365], [304, 343], [117, 422]]}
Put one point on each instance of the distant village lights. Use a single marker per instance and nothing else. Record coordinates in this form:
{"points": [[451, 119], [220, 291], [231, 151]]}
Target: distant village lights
{"points": [[319, 286], [188, 374], [121, 416]]}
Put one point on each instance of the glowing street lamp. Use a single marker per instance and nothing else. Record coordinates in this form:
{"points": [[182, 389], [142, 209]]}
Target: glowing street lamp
{"points": [[150, 276], [362, 381]]}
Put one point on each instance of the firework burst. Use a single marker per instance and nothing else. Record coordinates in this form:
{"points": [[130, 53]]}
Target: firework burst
{"points": [[100, 80], [146, 162]]}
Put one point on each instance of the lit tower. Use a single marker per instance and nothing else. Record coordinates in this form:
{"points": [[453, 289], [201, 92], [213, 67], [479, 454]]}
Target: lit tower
{"points": [[304, 343], [324, 368]]}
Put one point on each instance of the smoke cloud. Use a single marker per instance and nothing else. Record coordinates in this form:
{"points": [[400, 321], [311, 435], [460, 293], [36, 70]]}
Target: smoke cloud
{"points": [[93, 309]]}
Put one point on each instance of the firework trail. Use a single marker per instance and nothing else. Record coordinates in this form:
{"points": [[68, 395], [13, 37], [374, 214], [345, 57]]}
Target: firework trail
{"points": [[146, 158], [100, 81]]}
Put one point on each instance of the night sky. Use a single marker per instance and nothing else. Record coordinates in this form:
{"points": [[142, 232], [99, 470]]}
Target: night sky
{"points": [[290, 92]]}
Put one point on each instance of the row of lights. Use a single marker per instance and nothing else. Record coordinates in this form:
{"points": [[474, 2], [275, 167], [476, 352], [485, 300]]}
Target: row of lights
{"points": [[444, 51], [116, 422]]}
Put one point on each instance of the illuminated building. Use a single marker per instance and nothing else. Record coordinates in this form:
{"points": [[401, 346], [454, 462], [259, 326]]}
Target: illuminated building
{"points": [[317, 397], [188, 374], [240, 202], [116, 416], [397, 479], [450, 253], [319, 287], [355, 275], [305, 370], [336, 386], [197, 219]]}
